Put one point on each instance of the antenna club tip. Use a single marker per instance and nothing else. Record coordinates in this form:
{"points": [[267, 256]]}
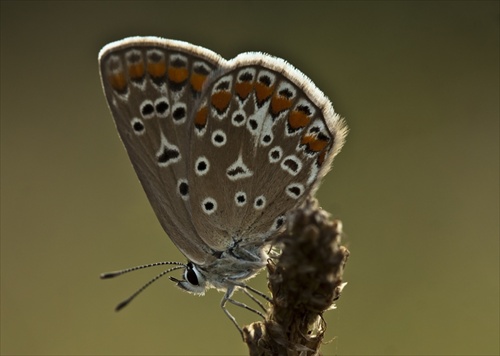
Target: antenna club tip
{"points": [[107, 275], [121, 305]]}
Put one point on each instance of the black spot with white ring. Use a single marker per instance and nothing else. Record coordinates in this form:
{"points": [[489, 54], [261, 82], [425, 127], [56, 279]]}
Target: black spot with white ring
{"points": [[240, 199], [209, 205], [219, 138], [138, 126], [266, 139], [291, 164], [147, 109], [259, 202], [253, 125], [179, 113], [162, 107], [238, 118], [201, 166], [275, 154], [183, 188], [294, 190]]}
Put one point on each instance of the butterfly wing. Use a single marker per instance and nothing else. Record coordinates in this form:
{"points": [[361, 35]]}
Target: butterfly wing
{"points": [[152, 86], [264, 136]]}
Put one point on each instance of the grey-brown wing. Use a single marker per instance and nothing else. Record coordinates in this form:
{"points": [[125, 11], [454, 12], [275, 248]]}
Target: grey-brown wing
{"points": [[263, 139], [152, 86]]}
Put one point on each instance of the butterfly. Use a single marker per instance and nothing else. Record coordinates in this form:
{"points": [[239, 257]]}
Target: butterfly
{"points": [[223, 149]]}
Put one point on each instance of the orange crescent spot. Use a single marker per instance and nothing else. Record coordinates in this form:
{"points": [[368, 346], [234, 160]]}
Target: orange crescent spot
{"points": [[263, 92], [177, 74], [221, 99], [197, 81], [200, 119], [321, 158], [317, 145], [118, 81], [306, 139], [279, 103], [298, 119], [313, 143], [157, 69], [136, 70], [243, 89]]}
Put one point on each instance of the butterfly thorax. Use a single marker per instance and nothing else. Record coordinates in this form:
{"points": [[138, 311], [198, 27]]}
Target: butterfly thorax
{"points": [[226, 270]]}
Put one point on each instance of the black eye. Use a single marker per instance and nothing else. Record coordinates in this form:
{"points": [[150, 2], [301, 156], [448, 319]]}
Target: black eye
{"points": [[191, 275]]}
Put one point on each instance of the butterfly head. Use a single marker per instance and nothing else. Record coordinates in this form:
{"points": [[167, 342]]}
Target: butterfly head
{"points": [[193, 282]]}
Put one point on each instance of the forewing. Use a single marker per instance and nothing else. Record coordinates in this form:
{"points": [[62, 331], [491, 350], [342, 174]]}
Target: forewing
{"points": [[152, 86]]}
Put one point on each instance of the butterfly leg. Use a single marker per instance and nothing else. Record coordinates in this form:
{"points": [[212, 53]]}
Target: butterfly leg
{"points": [[227, 298], [250, 295], [247, 288], [223, 302], [244, 306]]}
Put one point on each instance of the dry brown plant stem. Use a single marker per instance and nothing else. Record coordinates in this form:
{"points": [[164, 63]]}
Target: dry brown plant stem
{"points": [[304, 282]]}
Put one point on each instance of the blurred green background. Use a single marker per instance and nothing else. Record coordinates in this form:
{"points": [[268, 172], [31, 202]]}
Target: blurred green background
{"points": [[416, 186]]}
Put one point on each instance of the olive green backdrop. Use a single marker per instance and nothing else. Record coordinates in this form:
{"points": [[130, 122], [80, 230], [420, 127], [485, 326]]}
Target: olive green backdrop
{"points": [[416, 186]]}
